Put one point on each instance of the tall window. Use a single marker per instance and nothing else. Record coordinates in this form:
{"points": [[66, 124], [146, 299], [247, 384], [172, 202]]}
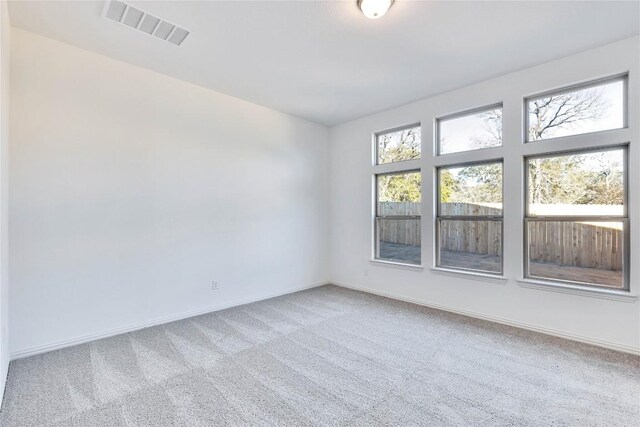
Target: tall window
{"points": [[398, 198], [469, 196], [576, 224], [469, 217], [576, 221]]}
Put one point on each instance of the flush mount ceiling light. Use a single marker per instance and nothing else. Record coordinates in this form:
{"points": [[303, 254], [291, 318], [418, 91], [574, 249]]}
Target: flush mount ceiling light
{"points": [[137, 19], [374, 9]]}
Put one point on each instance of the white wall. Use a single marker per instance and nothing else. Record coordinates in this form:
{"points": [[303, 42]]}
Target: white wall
{"points": [[5, 30], [132, 191], [606, 322]]}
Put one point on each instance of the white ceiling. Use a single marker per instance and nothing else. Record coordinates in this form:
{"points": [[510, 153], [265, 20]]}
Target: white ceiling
{"points": [[323, 60]]}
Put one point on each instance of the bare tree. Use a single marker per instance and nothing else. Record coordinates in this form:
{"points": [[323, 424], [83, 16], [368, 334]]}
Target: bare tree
{"points": [[398, 146], [547, 115], [493, 130], [553, 180]]}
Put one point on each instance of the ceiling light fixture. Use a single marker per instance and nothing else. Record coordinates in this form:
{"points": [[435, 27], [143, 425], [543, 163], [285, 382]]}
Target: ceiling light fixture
{"points": [[374, 9]]}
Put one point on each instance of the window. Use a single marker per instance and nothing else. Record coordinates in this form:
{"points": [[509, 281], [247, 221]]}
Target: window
{"points": [[470, 131], [397, 222], [397, 196], [576, 225], [398, 145], [469, 217], [587, 108]]}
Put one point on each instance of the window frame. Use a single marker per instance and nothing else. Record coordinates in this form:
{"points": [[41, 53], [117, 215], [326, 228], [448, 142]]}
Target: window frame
{"points": [[464, 113], [377, 217], [624, 218], [439, 217], [376, 146], [624, 77]]}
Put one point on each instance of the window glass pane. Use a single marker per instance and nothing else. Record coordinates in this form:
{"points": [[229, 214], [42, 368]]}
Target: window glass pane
{"points": [[399, 194], [471, 190], [584, 252], [470, 245], [585, 110], [583, 184], [398, 217], [398, 240], [470, 132], [399, 145]]}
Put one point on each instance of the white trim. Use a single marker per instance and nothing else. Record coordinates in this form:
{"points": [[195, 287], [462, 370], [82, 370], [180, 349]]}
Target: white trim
{"points": [[548, 331], [471, 275], [609, 294], [476, 155], [19, 354], [402, 166], [393, 264]]}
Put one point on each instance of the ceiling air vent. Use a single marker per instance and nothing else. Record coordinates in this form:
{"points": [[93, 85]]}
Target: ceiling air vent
{"points": [[140, 20]]}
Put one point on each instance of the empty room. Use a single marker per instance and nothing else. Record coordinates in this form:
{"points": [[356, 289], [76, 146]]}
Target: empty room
{"points": [[319, 213]]}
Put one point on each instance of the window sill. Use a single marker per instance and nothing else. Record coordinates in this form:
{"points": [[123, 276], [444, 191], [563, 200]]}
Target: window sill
{"points": [[399, 265], [609, 294], [470, 275]]}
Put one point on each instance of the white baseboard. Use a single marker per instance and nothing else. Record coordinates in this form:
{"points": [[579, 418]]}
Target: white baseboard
{"points": [[522, 325], [19, 354], [158, 321]]}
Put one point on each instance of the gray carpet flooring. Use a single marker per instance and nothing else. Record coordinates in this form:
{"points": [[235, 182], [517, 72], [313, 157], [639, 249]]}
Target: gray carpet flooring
{"points": [[325, 356]]}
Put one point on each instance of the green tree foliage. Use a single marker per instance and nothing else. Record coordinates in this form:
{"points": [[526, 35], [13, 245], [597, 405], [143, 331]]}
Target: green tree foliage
{"points": [[399, 187], [448, 186], [480, 183], [394, 147], [588, 178]]}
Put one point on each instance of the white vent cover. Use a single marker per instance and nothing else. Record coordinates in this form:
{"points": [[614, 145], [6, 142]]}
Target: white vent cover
{"points": [[133, 17]]}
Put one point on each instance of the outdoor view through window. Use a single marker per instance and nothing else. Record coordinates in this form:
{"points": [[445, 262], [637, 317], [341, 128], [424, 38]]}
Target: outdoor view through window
{"points": [[590, 109], [398, 145], [397, 222], [576, 217], [576, 226], [398, 217], [470, 131], [470, 217]]}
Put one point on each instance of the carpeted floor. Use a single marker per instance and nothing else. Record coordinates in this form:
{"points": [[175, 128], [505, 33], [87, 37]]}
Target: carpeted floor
{"points": [[326, 356]]}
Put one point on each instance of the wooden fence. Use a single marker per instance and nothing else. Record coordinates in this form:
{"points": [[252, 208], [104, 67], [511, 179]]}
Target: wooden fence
{"points": [[405, 232], [594, 245]]}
